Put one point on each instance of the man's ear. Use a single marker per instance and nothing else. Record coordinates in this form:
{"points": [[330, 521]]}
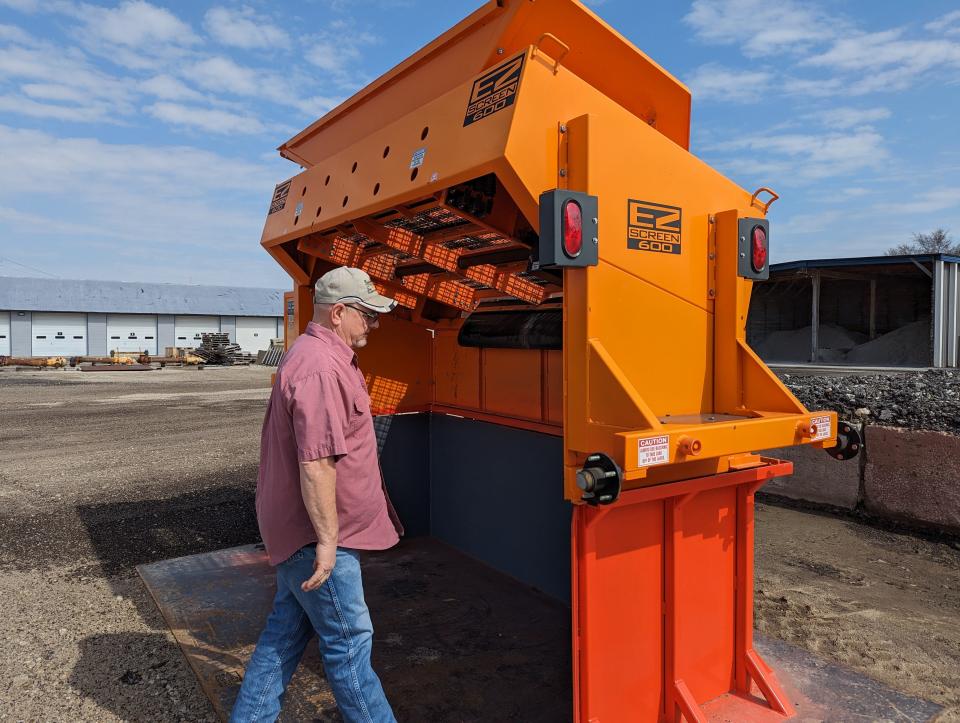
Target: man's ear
{"points": [[336, 314]]}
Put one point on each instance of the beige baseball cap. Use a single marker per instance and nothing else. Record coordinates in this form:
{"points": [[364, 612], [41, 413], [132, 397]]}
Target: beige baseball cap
{"points": [[346, 285]]}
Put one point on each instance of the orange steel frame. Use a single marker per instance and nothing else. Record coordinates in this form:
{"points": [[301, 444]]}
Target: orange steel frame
{"points": [[654, 344], [687, 575]]}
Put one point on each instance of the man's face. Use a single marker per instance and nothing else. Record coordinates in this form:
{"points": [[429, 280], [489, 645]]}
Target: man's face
{"points": [[355, 325]]}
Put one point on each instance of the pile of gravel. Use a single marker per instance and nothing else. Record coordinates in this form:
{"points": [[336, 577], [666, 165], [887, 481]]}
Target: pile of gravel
{"points": [[915, 400]]}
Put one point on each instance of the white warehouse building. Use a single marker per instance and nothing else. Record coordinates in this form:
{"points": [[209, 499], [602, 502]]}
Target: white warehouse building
{"points": [[56, 317]]}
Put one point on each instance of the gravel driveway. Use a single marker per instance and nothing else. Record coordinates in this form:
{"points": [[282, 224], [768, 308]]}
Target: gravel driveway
{"points": [[100, 472]]}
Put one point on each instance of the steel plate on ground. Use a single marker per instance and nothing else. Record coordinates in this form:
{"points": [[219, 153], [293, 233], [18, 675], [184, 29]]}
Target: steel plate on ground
{"points": [[455, 640]]}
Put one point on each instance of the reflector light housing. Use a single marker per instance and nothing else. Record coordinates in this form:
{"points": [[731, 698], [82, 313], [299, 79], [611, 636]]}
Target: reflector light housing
{"points": [[753, 248], [569, 235], [572, 229], [758, 243]]}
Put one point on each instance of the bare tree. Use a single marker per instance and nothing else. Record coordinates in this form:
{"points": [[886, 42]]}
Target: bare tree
{"points": [[935, 242]]}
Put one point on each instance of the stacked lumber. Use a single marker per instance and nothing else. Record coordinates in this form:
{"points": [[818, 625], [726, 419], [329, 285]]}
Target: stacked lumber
{"points": [[271, 356], [217, 348]]}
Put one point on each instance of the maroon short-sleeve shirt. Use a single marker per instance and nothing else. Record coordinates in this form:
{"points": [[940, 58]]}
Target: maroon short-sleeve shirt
{"points": [[320, 407]]}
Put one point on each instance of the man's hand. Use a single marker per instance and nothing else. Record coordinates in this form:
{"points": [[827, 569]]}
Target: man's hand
{"points": [[322, 567]]}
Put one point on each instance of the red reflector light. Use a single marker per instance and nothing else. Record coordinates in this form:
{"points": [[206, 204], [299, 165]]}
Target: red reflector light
{"points": [[759, 245], [572, 229]]}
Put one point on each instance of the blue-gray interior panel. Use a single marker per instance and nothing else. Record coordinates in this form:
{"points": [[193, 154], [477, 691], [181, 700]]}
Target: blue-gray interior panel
{"points": [[496, 493], [404, 445]]}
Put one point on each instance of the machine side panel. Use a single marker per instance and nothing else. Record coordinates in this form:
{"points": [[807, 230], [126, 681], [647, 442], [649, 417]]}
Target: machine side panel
{"points": [[396, 363], [705, 602], [411, 157], [457, 372], [553, 386], [512, 382], [651, 308], [618, 614], [522, 385]]}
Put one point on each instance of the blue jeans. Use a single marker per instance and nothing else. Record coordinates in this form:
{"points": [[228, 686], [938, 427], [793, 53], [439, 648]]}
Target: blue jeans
{"points": [[337, 612]]}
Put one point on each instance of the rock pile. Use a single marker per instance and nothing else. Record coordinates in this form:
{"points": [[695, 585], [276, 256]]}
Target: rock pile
{"points": [[914, 400]]}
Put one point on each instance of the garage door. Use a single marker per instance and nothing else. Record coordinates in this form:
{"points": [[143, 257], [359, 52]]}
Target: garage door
{"points": [[4, 333], [59, 334], [187, 329], [132, 332], [255, 332]]}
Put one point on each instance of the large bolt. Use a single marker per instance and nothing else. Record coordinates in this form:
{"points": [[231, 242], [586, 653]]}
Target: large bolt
{"points": [[588, 477]]}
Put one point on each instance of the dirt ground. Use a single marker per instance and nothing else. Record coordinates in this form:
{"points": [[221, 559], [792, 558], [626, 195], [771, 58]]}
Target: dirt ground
{"points": [[100, 472]]}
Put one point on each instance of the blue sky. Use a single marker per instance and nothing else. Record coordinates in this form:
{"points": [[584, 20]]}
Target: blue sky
{"points": [[137, 139]]}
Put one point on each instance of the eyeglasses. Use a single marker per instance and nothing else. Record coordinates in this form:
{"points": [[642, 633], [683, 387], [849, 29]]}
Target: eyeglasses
{"points": [[370, 317]]}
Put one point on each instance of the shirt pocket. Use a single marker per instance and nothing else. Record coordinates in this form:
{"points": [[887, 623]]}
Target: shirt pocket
{"points": [[360, 410]]}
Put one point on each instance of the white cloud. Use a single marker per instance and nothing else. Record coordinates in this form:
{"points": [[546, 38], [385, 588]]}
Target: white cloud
{"points": [[51, 68], [136, 24], [135, 34], [761, 28], [90, 166], [927, 202], [221, 74], [161, 213], [168, 88], [243, 28], [338, 52], [317, 105], [166, 201], [207, 119], [948, 24], [870, 51], [54, 91], [24, 6], [854, 62], [714, 82], [21, 105], [13, 34], [849, 117], [800, 157], [816, 88], [884, 61]]}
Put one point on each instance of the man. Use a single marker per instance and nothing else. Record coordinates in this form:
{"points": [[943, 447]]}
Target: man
{"points": [[320, 498]]}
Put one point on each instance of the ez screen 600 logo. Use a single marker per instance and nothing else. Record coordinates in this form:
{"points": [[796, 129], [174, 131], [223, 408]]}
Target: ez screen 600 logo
{"points": [[494, 91], [653, 227]]}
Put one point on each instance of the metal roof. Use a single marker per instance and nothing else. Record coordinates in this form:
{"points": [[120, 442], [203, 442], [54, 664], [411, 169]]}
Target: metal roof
{"points": [[128, 297], [861, 261]]}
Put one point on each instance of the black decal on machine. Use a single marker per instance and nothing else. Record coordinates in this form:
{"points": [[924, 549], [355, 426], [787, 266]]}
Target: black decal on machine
{"points": [[495, 90], [653, 227], [279, 197]]}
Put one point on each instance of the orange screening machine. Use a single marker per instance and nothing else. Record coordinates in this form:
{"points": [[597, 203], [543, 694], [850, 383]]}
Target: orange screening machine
{"points": [[522, 186]]}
